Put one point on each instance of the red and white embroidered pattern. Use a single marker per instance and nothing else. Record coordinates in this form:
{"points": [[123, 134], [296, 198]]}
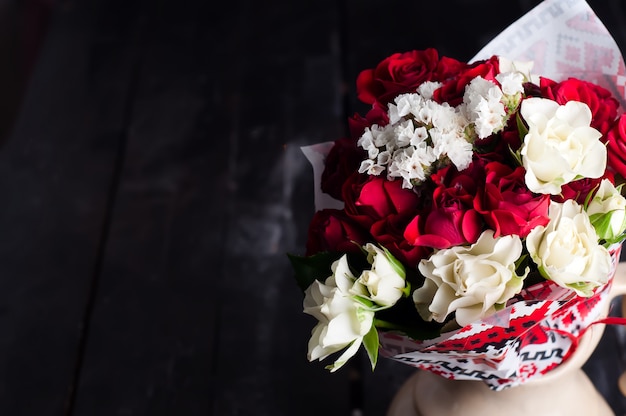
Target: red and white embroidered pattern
{"points": [[563, 38], [525, 340]]}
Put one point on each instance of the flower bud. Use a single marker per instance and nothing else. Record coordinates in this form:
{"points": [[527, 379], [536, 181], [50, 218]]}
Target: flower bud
{"points": [[607, 212]]}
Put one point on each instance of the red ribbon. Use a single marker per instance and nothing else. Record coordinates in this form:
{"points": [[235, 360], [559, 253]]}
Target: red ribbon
{"points": [[575, 339]]}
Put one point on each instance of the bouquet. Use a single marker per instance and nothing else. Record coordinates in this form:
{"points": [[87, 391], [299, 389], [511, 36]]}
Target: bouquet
{"points": [[472, 219]]}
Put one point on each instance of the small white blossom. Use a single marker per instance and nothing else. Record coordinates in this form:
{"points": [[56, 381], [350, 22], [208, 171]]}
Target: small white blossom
{"points": [[405, 104], [445, 118], [366, 141], [511, 82], [428, 88], [404, 133], [490, 118], [382, 135], [460, 152], [411, 164], [383, 158], [477, 90], [420, 135], [439, 143], [402, 107], [523, 67], [372, 152], [414, 166], [371, 168], [424, 113], [484, 107], [451, 145]]}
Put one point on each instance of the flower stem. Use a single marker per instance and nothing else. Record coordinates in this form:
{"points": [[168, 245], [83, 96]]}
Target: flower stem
{"points": [[379, 323]]}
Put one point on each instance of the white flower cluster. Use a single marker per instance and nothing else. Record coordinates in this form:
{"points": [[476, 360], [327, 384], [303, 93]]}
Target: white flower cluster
{"points": [[423, 135], [487, 105], [345, 305]]}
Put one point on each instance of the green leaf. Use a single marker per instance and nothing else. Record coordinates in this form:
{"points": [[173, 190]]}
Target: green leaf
{"points": [[406, 292], [371, 343], [404, 318], [521, 127], [617, 239], [395, 263], [310, 268], [522, 130], [367, 303], [590, 196]]}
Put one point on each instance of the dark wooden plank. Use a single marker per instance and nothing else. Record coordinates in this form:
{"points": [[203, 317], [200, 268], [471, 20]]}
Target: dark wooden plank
{"points": [[12, 74], [55, 175], [149, 347], [272, 207], [196, 310]]}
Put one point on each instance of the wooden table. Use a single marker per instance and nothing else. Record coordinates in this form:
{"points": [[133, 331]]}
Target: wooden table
{"points": [[153, 183]]}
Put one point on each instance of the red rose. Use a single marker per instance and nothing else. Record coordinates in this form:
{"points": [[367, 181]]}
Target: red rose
{"points": [[452, 219], [510, 138], [453, 89], [389, 232], [448, 68], [333, 230], [345, 156], [506, 204], [616, 147], [369, 199], [376, 115], [600, 100], [580, 189], [341, 162], [397, 74], [498, 147]]}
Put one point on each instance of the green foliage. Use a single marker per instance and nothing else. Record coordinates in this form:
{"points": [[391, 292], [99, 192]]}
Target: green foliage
{"points": [[371, 343], [403, 317], [310, 268], [602, 224]]}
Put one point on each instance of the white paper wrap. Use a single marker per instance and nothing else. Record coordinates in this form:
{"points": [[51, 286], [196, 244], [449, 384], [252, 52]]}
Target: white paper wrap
{"points": [[563, 38]]}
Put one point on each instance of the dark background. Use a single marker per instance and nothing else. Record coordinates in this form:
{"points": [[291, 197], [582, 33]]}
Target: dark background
{"points": [[152, 185]]}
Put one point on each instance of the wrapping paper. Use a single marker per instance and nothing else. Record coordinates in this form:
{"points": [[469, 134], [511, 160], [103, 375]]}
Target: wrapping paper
{"points": [[563, 38], [533, 335]]}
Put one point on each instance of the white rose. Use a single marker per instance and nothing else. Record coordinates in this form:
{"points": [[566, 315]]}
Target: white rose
{"points": [[560, 145], [473, 281], [607, 211], [343, 322], [567, 250], [384, 284]]}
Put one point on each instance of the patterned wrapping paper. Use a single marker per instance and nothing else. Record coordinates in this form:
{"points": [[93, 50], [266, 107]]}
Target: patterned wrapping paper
{"points": [[539, 328], [563, 38], [532, 336]]}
